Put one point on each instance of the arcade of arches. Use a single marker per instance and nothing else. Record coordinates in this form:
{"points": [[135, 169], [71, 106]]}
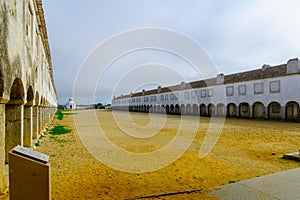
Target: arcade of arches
{"points": [[28, 98], [289, 111]]}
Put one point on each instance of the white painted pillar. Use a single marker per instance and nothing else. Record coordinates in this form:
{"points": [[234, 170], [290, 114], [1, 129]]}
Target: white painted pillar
{"points": [[27, 139], [2, 148]]}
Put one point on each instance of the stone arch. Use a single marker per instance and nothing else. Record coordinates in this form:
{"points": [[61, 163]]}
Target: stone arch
{"points": [[172, 109], [292, 111], [211, 110], [182, 108], [231, 110], [147, 108], [167, 109], [244, 110], [258, 110], [195, 110], [202, 108], [177, 110], [188, 109], [221, 111], [14, 114], [29, 96], [275, 111], [17, 92]]}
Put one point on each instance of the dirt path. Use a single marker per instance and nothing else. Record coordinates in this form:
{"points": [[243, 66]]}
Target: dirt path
{"points": [[246, 149]]}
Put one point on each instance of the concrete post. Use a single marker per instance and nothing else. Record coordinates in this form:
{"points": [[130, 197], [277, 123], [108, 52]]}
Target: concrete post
{"points": [[35, 122], [283, 113], [14, 115], [238, 111], [40, 120], [251, 112], [2, 148], [27, 126], [266, 113]]}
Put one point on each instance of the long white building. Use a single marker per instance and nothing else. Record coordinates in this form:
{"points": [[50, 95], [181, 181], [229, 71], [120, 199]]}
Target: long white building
{"points": [[272, 92]]}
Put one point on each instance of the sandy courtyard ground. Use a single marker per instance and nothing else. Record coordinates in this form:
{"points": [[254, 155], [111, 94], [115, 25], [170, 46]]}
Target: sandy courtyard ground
{"points": [[245, 149]]}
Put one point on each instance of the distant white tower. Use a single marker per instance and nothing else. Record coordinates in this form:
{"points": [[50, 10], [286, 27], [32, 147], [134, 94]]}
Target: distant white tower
{"points": [[71, 105]]}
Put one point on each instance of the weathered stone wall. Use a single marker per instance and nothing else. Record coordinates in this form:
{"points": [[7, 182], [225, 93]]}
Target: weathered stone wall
{"points": [[27, 91]]}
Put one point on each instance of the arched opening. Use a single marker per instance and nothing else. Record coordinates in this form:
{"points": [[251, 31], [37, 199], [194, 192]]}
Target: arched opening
{"points": [[195, 110], [28, 118], [211, 110], [172, 109], [144, 108], [231, 110], [221, 111], [147, 109], [163, 109], [274, 110], [167, 109], [182, 109], [177, 110], [14, 114], [202, 110], [158, 109], [188, 109], [292, 111], [244, 110], [258, 110]]}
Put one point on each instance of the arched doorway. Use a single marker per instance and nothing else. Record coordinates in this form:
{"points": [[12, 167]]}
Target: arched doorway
{"points": [[274, 111], [195, 110], [231, 110], [292, 111], [182, 108], [167, 109], [172, 109], [188, 109], [177, 110], [258, 110], [244, 110], [221, 111], [211, 110], [202, 110]]}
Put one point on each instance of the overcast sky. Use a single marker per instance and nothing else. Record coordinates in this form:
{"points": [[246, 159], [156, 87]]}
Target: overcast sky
{"points": [[237, 35]]}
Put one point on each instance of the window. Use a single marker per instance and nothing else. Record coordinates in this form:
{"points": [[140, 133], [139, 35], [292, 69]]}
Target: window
{"points": [[162, 97], [154, 98], [186, 95], [172, 96], [210, 92], [166, 97], [193, 94], [229, 91], [275, 86], [203, 93], [176, 96], [242, 90], [258, 88]]}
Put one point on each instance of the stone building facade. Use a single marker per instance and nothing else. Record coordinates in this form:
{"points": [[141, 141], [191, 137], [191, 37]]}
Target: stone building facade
{"points": [[27, 92], [267, 93]]}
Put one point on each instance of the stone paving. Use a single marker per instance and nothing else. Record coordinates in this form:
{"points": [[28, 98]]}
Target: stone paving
{"points": [[283, 185]]}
